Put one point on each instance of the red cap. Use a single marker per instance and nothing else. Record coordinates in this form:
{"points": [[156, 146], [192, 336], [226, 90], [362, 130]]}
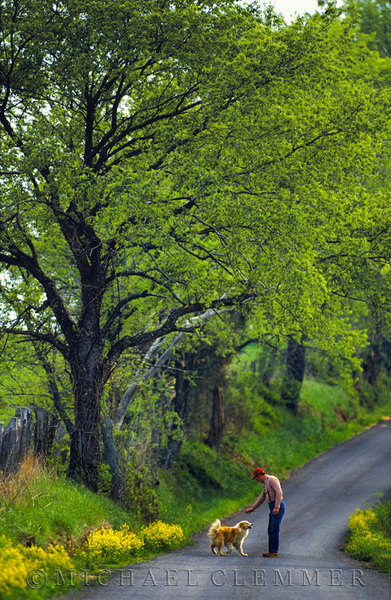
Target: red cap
{"points": [[258, 471]]}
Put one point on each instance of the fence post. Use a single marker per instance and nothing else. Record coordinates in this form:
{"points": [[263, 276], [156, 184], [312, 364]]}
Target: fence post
{"points": [[23, 434]]}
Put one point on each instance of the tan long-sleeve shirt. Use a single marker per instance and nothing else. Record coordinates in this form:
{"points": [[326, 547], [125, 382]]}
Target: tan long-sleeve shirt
{"points": [[272, 491]]}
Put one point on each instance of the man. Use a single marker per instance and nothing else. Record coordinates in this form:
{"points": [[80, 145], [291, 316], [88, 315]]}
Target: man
{"points": [[272, 492]]}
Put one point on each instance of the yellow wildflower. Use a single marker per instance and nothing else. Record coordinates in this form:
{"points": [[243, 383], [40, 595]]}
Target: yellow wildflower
{"points": [[162, 536]]}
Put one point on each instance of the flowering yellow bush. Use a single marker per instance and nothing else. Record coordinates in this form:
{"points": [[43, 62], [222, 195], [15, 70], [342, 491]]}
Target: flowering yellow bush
{"points": [[17, 562], [161, 536], [20, 565], [367, 542], [107, 545]]}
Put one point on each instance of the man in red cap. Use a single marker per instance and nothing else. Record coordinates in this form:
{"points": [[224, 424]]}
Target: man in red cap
{"points": [[272, 492]]}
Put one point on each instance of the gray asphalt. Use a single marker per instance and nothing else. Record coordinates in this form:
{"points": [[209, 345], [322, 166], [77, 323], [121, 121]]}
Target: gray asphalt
{"points": [[319, 498]]}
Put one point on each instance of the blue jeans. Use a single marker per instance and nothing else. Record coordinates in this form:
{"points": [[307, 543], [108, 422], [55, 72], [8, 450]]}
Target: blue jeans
{"points": [[273, 529]]}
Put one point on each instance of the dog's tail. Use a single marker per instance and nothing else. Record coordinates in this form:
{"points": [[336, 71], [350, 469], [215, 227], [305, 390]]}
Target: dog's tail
{"points": [[213, 529]]}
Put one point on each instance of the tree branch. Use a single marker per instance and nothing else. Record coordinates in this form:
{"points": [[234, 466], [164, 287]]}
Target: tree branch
{"points": [[130, 129], [31, 264], [116, 312], [140, 378], [49, 338], [170, 325]]}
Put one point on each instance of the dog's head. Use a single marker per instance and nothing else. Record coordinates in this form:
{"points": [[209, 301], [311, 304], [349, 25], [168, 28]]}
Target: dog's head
{"points": [[244, 525]]}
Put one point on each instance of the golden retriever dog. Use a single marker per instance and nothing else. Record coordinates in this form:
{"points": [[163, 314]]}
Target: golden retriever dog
{"points": [[228, 536]]}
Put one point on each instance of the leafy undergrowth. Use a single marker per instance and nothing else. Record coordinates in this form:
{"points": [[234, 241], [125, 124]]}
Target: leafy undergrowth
{"points": [[370, 536]]}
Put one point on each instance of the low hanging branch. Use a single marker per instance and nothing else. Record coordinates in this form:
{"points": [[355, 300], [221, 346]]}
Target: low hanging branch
{"points": [[141, 378]]}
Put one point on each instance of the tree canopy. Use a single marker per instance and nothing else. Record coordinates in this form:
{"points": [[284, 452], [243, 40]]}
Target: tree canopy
{"points": [[162, 159]]}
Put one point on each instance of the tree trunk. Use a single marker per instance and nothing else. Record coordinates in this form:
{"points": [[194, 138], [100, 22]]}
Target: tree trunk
{"points": [[294, 375], [169, 454], [218, 418], [85, 454], [373, 361], [386, 353], [269, 367], [110, 458]]}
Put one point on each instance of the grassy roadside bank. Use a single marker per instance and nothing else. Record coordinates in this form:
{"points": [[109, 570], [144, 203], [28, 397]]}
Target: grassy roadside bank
{"points": [[56, 535], [370, 536], [49, 523]]}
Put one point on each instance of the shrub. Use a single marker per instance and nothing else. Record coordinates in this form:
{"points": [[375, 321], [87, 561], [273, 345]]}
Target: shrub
{"points": [[141, 497], [367, 540], [160, 536], [110, 546], [17, 561]]}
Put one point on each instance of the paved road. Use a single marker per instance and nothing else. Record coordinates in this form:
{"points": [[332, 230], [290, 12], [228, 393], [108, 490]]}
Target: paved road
{"points": [[319, 497]]}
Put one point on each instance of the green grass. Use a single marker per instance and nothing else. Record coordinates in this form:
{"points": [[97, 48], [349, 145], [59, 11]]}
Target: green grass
{"points": [[326, 416], [329, 403], [44, 508]]}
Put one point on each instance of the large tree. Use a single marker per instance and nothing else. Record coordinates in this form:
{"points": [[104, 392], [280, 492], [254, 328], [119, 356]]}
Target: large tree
{"points": [[159, 159]]}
